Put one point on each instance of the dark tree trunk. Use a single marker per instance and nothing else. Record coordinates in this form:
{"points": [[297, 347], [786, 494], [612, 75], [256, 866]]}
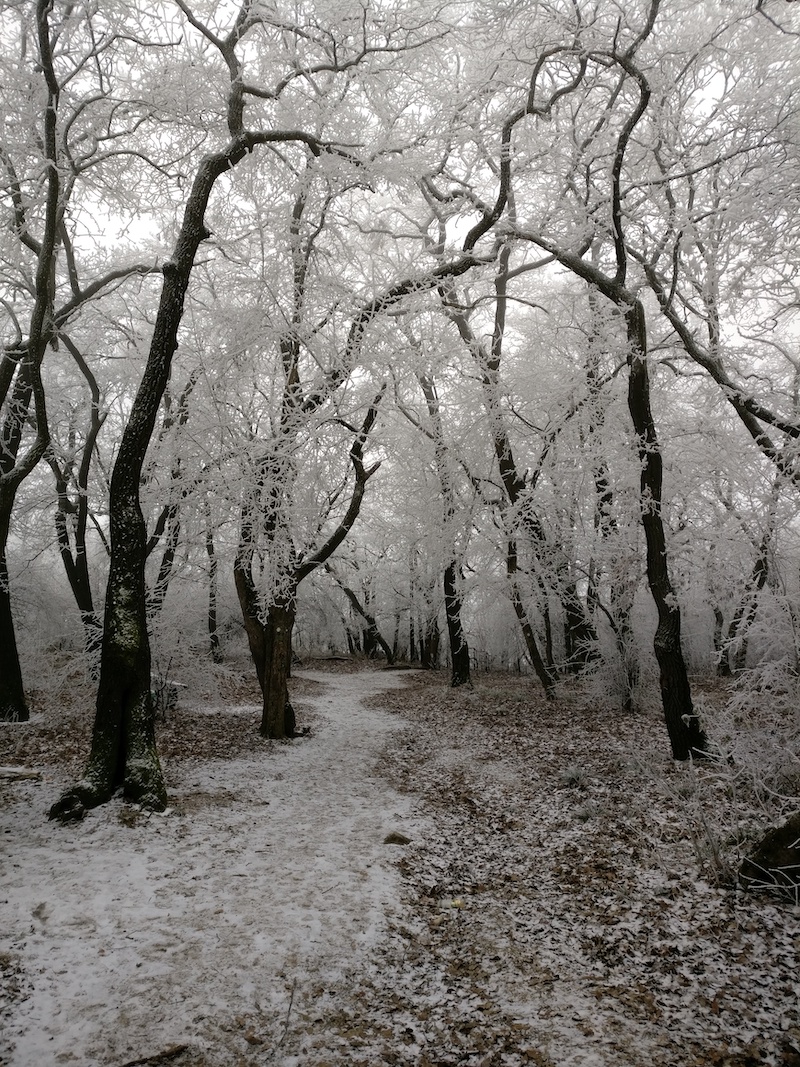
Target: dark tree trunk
{"points": [[76, 569], [13, 706], [685, 733], [158, 593], [459, 649], [369, 642], [72, 515], [744, 616], [429, 645], [123, 751], [271, 642], [775, 862], [372, 635], [453, 574], [277, 717], [213, 567], [543, 672], [579, 635], [123, 741], [251, 615]]}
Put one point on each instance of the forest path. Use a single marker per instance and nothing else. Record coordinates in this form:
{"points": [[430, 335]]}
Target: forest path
{"points": [[128, 934], [553, 906]]}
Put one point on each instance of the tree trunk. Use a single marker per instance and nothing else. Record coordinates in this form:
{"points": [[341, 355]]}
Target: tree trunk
{"points": [[28, 387], [429, 644], [543, 672], [775, 862], [372, 635], [580, 638], [745, 614], [720, 649], [459, 650], [76, 569], [453, 575], [13, 707], [685, 733], [213, 632], [353, 638], [158, 593], [251, 616], [277, 718], [123, 740], [123, 751]]}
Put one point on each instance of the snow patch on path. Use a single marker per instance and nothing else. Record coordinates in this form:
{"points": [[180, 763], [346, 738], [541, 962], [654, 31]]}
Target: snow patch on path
{"points": [[268, 881]]}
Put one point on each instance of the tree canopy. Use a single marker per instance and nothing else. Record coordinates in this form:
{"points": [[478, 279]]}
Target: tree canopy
{"points": [[459, 334]]}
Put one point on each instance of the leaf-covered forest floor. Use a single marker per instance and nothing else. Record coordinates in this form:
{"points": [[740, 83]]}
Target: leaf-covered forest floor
{"points": [[432, 877]]}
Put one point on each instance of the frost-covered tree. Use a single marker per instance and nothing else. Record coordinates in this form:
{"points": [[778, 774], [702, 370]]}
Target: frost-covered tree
{"points": [[59, 156]]}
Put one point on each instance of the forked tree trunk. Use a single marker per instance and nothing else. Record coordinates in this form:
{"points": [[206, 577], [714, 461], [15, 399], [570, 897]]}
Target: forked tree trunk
{"points": [[453, 575], [270, 641], [275, 656], [685, 733], [544, 671], [76, 568], [251, 615], [372, 635]]}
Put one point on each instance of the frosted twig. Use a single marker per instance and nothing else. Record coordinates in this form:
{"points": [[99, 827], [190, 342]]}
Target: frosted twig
{"points": [[282, 1038]]}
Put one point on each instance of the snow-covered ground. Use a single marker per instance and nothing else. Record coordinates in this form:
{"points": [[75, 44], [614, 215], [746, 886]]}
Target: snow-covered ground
{"points": [[430, 878], [265, 883]]}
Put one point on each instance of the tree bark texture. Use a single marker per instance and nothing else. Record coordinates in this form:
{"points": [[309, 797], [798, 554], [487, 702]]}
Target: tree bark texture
{"points": [[459, 649], [685, 733], [277, 716], [13, 706]]}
